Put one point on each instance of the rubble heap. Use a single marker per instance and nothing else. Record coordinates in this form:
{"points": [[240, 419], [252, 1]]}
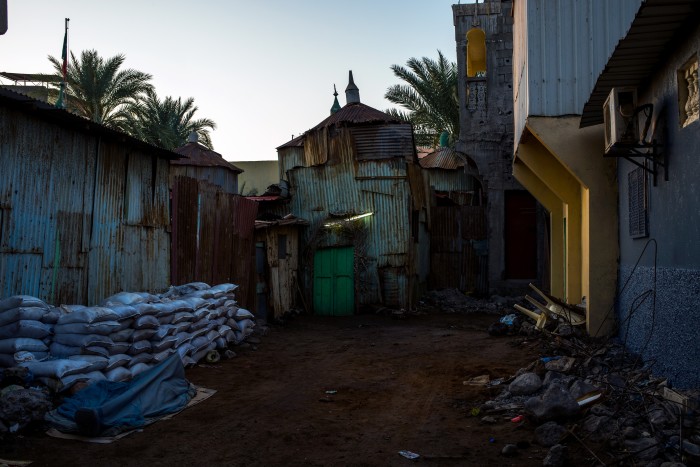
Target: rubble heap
{"points": [[597, 394]]}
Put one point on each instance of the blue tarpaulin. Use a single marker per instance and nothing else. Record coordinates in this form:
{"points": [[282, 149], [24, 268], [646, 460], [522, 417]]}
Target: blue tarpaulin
{"points": [[115, 407]]}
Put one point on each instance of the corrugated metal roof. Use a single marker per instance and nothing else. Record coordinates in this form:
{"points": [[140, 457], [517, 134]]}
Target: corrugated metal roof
{"points": [[196, 154], [446, 158], [62, 117], [357, 113], [646, 44], [34, 77], [297, 142]]}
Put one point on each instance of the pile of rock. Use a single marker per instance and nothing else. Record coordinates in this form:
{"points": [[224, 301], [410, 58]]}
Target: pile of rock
{"points": [[597, 395]]}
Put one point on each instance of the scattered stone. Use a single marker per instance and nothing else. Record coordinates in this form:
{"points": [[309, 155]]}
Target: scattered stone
{"points": [[525, 384], [616, 381], [562, 365], [565, 330], [549, 434], [630, 432], [550, 376], [22, 406], [692, 449], [581, 388], [556, 457], [644, 449], [509, 450], [598, 428], [488, 419], [228, 354], [555, 404], [601, 410]]}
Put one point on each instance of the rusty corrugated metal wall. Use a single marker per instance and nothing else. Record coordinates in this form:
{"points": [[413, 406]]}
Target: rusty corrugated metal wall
{"points": [[215, 175], [344, 186], [457, 244], [213, 235], [81, 216]]}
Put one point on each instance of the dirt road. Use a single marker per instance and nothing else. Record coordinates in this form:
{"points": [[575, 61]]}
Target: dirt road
{"points": [[331, 391]]}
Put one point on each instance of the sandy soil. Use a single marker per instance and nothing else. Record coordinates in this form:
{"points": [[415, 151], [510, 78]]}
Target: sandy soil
{"points": [[332, 391]]}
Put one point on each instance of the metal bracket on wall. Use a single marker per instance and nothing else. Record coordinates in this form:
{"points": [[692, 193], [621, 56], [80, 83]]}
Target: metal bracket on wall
{"points": [[651, 153]]}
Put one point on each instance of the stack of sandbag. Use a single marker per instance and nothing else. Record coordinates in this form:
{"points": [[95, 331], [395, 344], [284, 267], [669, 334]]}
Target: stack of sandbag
{"points": [[127, 334], [25, 328]]}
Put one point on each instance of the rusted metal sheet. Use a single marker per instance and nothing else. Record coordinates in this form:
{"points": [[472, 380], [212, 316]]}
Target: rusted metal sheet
{"points": [[83, 209], [457, 241], [212, 235], [282, 253], [226, 179]]}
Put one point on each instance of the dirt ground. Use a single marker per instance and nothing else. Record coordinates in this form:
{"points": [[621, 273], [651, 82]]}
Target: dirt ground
{"points": [[399, 387]]}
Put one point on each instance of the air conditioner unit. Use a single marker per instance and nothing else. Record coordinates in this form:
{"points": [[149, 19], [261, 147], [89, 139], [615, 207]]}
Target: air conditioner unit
{"points": [[621, 127]]}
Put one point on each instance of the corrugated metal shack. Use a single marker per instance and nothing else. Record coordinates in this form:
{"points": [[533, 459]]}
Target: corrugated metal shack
{"points": [[83, 209], [201, 163], [355, 177], [458, 224], [212, 226]]}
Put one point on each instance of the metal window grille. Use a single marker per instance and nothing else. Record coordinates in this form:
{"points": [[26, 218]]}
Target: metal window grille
{"points": [[638, 203]]}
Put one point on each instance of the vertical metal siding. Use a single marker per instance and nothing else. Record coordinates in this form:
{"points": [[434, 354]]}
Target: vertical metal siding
{"points": [[63, 197], [561, 46]]}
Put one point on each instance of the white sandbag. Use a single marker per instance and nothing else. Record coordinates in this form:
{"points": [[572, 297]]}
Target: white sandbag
{"points": [[142, 334], [231, 313], [139, 347], [182, 338], [246, 326], [16, 344], [140, 368], [200, 342], [182, 316], [10, 303], [148, 297], [144, 357], [166, 319], [212, 335], [103, 328], [163, 344], [93, 314], [10, 360], [63, 351], [125, 324], [182, 327], [116, 361], [199, 294], [123, 298], [146, 322], [146, 309], [162, 332], [184, 350], [25, 328], [95, 350], [162, 356], [89, 378], [201, 324], [195, 303], [201, 313], [119, 348], [83, 340], [198, 332], [190, 287], [242, 314], [51, 316], [118, 374], [122, 336], [230, 336], [58, 368], [199, 356], [97, 363], [21, 313], [223, 328], [188, 361], [124, 311], [224, 288], [220, 343], [233, 324]]}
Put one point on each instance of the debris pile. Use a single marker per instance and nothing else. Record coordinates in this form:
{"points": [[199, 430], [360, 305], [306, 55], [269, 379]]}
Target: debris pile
{"points": [[455, 301], [595, 394]]}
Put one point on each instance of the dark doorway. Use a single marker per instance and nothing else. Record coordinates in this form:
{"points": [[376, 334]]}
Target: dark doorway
{"points": [[521, 235]]}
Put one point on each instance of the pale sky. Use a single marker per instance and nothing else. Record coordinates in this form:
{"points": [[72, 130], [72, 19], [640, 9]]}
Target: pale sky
{"points": [[262, 70]]}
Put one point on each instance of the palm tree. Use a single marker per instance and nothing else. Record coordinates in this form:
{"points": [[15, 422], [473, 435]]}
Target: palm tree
{"points": [[167, 123], [97, 89], [429, 97]]}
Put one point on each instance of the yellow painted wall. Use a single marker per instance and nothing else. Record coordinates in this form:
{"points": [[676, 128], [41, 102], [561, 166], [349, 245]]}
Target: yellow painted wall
{"points": [[569, 161], [257, 174]]}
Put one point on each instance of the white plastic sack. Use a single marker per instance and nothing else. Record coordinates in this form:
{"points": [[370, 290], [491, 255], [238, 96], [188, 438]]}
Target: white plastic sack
{"points": [[124, 298], [25, 328], [21, 313], [140, 368], [83, 340], [139, 347], [97, 363], [146, 322], [116, 361], [57, 368], [103, 328], [93, 314], [118, 374], [10, 346]]}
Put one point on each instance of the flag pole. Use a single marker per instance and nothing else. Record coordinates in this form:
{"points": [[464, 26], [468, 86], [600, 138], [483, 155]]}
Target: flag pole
{"points": [[60, 102]]}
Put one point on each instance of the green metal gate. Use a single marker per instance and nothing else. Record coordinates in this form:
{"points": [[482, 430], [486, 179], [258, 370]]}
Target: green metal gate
{"points": [[334, 289]]}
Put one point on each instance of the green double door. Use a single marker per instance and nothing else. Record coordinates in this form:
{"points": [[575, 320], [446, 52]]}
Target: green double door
{"points": [[334, 290]]}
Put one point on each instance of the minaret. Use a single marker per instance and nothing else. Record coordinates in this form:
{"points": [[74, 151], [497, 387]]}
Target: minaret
{"points": [[336, 104], [352, 92]]}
